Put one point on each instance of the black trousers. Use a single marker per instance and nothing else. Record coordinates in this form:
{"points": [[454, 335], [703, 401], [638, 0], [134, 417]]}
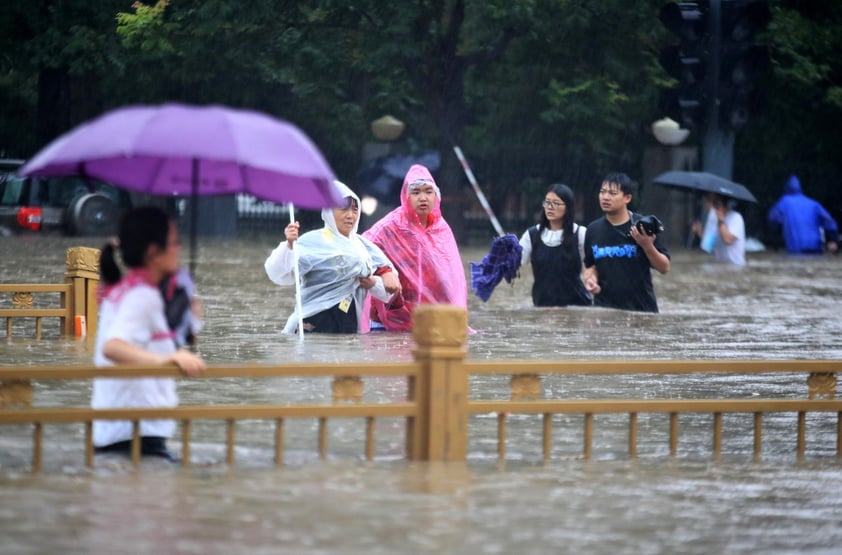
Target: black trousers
{"points": [[333, 320], [149, 445]]}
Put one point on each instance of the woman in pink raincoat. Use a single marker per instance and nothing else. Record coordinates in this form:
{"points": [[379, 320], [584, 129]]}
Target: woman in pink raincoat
{"points": [[420, 243]]}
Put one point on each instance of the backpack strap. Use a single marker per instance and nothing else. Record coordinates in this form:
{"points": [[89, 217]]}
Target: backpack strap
{"points": [[534, 235]]}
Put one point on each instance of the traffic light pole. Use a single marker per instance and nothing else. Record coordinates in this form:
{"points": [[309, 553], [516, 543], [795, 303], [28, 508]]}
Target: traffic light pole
{"points": [[718, 142]]}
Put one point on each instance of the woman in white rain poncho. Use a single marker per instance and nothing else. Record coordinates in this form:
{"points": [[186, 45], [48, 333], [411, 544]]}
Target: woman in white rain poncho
{"points": [[338, 269]]}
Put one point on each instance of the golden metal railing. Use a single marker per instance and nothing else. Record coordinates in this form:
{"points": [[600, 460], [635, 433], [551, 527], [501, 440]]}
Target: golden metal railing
{"points": [[76, 305], [716, 407], [16, 400], [527, 384], [439, 405], [23, 299]]}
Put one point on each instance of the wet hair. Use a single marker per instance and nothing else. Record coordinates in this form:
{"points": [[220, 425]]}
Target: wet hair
{"points": [[139, 228], [418, 183], [626, 184], [566, 195], [350, 202], [717, 199], [422, 182]]}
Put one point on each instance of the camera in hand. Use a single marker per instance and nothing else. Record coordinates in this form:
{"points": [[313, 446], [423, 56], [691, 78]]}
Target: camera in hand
{"points": [[650, 225]]}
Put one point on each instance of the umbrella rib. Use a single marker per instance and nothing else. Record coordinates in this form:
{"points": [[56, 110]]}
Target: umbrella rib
{"points": [[242, 169], [194, 212], [157, 168]]}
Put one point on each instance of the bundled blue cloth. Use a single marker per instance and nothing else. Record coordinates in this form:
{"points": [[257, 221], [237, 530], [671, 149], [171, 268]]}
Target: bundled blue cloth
{"points": [[501, 262]]}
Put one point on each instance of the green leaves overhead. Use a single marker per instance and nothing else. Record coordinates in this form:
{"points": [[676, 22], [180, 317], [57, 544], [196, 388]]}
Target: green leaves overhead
{"points": [[536, 91]]}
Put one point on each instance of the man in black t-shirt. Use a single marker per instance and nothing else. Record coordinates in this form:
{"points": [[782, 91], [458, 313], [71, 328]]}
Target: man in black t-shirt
{"points": [[619, 255]]}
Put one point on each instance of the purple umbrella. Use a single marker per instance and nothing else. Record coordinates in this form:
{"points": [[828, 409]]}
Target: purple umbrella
{"points": [[176, 149]]}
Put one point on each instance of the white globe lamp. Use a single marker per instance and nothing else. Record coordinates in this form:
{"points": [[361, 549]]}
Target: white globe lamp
{"points": [[387, 128], [667, 132]]}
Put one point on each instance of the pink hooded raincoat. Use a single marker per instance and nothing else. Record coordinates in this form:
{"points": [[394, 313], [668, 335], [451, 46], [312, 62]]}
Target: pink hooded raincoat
{"points": [[426, 258]]}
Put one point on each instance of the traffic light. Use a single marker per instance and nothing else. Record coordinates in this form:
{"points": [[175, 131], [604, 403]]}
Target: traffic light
{"points": [[687, 62], [741, 61]]}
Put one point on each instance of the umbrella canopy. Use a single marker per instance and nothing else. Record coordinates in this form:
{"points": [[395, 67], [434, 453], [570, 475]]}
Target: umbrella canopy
{"points": [[382, 177], [501, 262], [705, 182], [177, 149]]}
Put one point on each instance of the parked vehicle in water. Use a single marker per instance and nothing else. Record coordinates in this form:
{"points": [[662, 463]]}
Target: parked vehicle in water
{"points": [[72, 205]]}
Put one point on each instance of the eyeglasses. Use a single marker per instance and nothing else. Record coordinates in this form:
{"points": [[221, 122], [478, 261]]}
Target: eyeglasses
{"points": [[552, 204], [610, 192]]}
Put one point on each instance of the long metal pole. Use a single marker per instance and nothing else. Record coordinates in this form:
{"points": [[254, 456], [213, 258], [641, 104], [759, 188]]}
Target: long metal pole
{"points": [[481, 197], [297, 276], [194, 215], [718, 143]]}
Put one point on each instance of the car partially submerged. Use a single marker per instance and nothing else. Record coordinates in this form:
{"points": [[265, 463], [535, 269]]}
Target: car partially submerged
{"points": [[72, 205]]}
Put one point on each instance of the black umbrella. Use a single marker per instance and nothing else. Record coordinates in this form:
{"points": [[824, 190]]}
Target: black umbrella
{"points": [[706, 182], [382, 178], [397, 166]]}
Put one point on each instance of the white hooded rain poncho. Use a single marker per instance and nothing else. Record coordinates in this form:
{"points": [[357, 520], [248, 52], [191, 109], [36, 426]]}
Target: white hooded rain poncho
{"points": [[330, 265]]}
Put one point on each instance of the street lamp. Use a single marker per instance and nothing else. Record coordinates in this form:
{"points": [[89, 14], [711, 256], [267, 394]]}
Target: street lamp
{"points": [[668, 133], [677, 210], [387, 128]]}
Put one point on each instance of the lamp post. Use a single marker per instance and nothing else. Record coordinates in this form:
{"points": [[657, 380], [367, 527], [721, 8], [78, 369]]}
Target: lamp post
{"points": [[674, 208], [668, 133], [387, 132]]}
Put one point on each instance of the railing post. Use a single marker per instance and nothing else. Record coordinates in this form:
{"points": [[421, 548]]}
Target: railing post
{"points": [[440, 431], [82, 272]]}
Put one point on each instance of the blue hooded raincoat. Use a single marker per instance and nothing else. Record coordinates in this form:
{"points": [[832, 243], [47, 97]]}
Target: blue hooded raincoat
{"points": [[802, 218]]}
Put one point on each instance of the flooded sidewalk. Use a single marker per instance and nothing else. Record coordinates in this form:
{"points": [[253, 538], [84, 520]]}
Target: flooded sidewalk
{"points": [[779, 307]]}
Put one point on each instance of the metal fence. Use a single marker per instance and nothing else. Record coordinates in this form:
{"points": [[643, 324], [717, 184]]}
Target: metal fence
{"points": [[439, 405]]}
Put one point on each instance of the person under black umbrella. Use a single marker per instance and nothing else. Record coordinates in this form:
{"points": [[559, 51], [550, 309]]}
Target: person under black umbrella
{"points": [[724, 231]]}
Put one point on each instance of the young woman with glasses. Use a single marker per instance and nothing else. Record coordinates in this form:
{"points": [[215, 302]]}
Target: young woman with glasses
{"points": [[554, 247]]}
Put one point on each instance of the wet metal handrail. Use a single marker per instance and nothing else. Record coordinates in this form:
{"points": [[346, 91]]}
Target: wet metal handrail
{"points": [[438, 406], [23, 306], [77, 304]]}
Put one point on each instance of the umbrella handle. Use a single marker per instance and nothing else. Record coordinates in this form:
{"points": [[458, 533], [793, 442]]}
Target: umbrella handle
{"points": [[298, 304]]}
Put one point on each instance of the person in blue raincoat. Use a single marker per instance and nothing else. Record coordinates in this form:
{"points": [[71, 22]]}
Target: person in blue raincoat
{"points": [[802, 221]]}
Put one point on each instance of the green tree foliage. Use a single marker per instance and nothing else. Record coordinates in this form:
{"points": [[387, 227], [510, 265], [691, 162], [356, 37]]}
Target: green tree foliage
{"points": [[534, 91], [571, 97], [55, 56], [796, 131]]}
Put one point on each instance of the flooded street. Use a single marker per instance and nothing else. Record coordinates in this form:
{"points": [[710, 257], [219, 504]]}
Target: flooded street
{"points": [[779, 307]]}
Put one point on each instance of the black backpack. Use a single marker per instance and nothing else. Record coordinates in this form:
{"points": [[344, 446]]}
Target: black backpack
{"points": [[176, 304]]}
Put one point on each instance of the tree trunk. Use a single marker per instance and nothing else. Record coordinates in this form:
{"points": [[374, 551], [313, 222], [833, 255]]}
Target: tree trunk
{"points": [[53, 117]]}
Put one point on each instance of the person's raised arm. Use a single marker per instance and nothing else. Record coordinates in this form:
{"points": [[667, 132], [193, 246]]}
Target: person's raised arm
{"points": [[279, 264], [291, 233], [658, 260], [722, 228]]}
